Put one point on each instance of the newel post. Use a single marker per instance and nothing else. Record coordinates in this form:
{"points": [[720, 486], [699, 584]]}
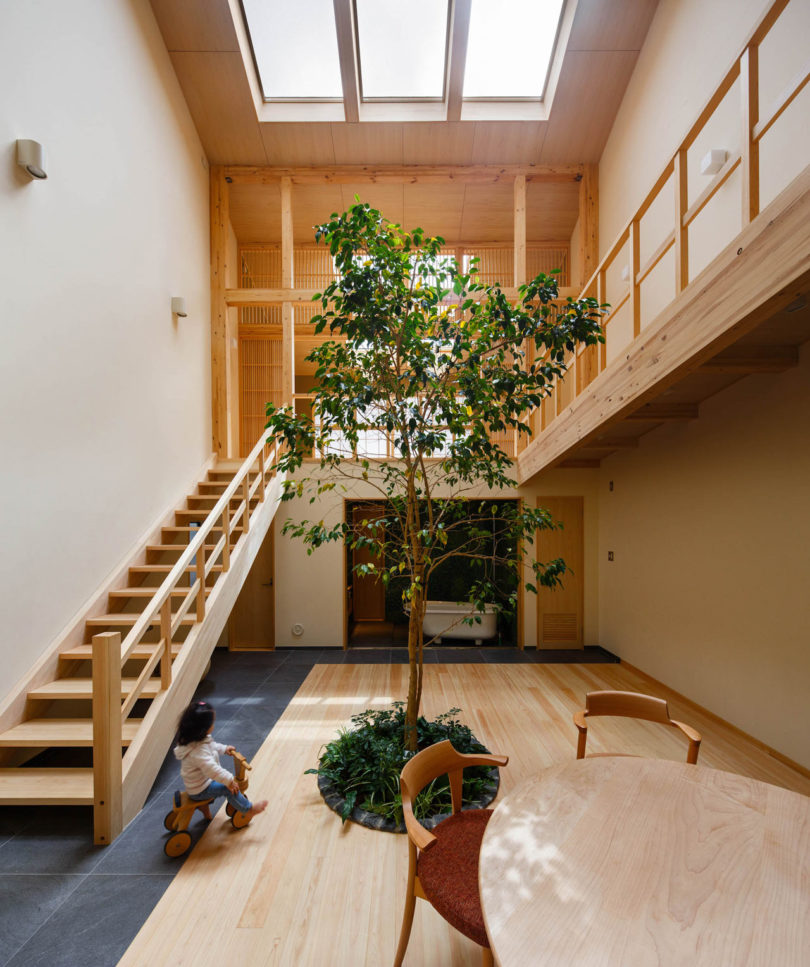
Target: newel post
{"points": [[107, 763]]}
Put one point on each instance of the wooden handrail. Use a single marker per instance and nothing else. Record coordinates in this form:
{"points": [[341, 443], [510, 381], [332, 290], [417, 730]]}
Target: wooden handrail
{"points": [[744, 68], [160, 602]]}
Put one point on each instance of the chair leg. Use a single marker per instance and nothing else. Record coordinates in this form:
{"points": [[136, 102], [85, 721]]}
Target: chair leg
{"points": [[405, 932], [487, 960]]}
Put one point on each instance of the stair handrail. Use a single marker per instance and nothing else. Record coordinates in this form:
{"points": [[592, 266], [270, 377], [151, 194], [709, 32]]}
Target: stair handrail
{"points": [[195, 546]]}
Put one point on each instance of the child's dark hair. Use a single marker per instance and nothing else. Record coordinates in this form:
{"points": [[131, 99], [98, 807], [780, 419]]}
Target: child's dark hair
{"points": [[195, 723]]}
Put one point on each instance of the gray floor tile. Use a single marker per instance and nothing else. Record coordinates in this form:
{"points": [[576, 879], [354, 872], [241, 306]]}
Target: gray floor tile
{"points": [[54, 841], [26, 903], [95, 924]]}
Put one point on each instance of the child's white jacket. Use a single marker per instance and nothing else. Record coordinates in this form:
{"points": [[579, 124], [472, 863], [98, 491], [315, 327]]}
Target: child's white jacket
{"points": [[199, 765]]}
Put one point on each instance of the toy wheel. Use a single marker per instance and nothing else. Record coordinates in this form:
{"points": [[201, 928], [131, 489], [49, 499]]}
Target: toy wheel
{"points": [[240, 820], [229, 809], [178, 844], [168, 822]]}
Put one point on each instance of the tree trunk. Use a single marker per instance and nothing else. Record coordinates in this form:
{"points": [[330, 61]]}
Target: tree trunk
{"points": [[415, 669]]}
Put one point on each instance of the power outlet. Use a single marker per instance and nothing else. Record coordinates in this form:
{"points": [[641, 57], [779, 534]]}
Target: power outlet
{"points": [[610, 555]]}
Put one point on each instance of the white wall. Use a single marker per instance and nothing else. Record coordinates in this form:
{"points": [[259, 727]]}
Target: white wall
{"points": [[710, 528], [105, 397], [309, 588]]}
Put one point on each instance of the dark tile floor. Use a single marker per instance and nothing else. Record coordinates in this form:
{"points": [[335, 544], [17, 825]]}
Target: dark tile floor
{"points": [[66, 903]]}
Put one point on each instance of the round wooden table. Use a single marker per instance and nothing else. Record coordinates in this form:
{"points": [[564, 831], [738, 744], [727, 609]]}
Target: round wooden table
{"points": [[635, 862]]}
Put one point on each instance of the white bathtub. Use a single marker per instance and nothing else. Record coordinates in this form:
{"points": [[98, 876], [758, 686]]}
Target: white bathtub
{"points": [[446, 617]]}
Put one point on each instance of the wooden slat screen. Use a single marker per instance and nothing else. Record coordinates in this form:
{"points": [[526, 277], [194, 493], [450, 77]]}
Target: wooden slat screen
{"points": [[259, 383]]}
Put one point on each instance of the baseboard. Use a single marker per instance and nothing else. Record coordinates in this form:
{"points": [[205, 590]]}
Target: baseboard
{"points": [[661, 687]]}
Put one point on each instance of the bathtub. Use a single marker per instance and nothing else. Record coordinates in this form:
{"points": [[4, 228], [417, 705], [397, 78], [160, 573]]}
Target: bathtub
{"points": [[445, 617]]}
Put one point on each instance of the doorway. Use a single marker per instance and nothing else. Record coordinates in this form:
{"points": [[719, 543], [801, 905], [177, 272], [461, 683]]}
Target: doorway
{"points": [[252, 626], [560, 610]]}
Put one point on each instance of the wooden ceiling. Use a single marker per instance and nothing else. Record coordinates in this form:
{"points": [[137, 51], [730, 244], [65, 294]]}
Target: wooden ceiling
{"points": [[601, 52], [458, 212]]}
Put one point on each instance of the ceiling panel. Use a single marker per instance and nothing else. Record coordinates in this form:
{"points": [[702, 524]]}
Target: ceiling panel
{"points": [[507, 142], [438, 143], [367, 144], [588, 95], [219, 99], [195, 24], [598, 25], [255, 212], [298, 144], [436, 208]]}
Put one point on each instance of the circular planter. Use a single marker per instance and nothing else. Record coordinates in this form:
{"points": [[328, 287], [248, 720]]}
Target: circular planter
{"points": [[335, 800]]}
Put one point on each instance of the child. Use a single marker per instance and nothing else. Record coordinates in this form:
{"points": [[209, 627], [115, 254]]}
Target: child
{"points": [[203, 776]]}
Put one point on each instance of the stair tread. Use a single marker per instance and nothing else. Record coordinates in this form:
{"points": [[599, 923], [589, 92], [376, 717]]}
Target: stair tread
{"points": [[175, 529], [46, 787], [164, 568], [44, 733], [85, 652], [127, 619], [146, 592], [83, 688]]}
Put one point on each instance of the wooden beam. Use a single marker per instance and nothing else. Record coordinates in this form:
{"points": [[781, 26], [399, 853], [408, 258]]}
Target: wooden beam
{"points": [[665, 412], [107, 768], [749, 90], [459, 34], [520, 230], [754, 359], [268, 297], [404, 174], [347, 54], [287, 353], [287, 253], [588, 222], [219, 311], [748, 282]]}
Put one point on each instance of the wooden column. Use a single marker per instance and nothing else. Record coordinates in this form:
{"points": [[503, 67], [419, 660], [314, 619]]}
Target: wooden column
{"points": [[681, 231], [107, 767], [219, 311], [287, 322], [520, 229], [749, 89], [588, 223], [635, 288]]}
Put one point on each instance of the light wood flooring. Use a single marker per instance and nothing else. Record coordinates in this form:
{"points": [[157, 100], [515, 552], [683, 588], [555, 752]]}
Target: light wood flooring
{"points": [[297, 889]]}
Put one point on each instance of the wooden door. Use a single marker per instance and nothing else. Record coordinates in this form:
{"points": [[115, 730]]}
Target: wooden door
{"points": [[560, 611], [252, 625], [368, 602]]}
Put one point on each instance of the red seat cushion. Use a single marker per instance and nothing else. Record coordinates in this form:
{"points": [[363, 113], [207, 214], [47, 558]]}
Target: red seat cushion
{"points": [[448, 872]]}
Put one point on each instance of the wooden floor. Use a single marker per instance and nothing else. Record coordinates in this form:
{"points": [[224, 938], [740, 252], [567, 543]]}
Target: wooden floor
{"points": [[297, 889]]}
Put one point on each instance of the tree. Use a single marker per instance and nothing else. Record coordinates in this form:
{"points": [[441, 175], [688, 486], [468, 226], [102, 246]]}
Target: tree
{"points": [[432, 369]]}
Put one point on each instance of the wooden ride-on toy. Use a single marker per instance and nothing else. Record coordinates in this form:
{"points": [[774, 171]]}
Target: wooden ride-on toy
{"points": [[178, 819]]}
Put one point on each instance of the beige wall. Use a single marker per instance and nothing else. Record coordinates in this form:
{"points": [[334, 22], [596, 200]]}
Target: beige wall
{"points": [[309, 588], [710, 528], [105, 396]]}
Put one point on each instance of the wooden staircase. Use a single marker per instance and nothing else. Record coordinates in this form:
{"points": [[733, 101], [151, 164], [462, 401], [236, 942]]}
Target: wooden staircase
{"points": [[120, 691]]}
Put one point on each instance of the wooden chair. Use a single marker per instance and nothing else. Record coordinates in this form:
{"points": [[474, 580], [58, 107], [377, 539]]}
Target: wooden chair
{"points": [[631, 705], [443, 864]]}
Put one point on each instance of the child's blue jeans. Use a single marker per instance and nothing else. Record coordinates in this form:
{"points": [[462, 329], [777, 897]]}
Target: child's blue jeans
{"points": [[214, 790]]}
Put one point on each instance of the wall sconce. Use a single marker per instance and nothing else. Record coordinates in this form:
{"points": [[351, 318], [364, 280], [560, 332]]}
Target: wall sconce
{"points": [[626, 273], [30, 157], [713, 161], [179, 306]]}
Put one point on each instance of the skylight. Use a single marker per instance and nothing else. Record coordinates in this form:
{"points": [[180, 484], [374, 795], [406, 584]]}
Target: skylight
{"points": [[296, 54], [402, 48], [509, 48]]}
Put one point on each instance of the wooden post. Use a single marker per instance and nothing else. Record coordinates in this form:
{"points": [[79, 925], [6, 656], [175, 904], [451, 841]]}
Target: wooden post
{"points": [[588, 222], [749, 89], [201, 583], [681, 231], [219, 311], [226, 530], [246, 512], [635, 288], [166, 637], [107, 769], [520, 229], [287, 277]]}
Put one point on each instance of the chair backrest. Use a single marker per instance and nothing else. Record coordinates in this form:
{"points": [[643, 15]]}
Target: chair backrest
{"points": [[437, 760], [631, 705]]}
